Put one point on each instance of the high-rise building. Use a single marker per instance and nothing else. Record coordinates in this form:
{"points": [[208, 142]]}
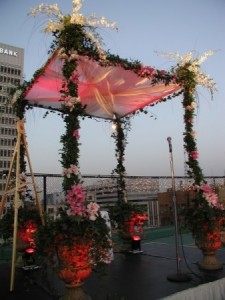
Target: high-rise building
{"points": [[11, 74]]}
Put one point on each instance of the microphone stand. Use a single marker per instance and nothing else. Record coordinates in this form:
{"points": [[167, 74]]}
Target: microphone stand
{"points": [[178, 276]]}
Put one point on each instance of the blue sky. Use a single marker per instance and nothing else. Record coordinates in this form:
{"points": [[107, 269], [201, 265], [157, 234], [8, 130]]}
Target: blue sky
{"points": [[145, 27]]}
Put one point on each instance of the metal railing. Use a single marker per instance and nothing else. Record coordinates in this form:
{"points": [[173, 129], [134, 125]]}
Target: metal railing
{"points": [[105, 185]]}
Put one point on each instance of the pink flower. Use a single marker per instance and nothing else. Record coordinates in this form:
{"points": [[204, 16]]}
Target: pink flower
{"points": [[211, 198], [76, 197], [206, 188], [190, 121], [74, 77], [78, 210], [72, 170], [174, 79], [194, 154], [163, 72], [147, 71], [76, 134], [79, 192], [220, 206]]}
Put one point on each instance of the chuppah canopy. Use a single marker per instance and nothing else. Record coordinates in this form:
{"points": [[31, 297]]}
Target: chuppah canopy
{"points": [[106, 91]]}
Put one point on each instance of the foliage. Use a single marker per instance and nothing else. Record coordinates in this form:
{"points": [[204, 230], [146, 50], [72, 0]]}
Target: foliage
{"points": [[25, 213], [122, 126], [123, 211], [78, 222], [70, 151], [205, 210], [189, 106]]}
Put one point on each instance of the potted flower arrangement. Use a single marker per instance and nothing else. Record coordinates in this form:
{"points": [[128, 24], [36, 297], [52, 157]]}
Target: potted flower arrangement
{"points": [[205, 208], [75, 242], [203, 217]]}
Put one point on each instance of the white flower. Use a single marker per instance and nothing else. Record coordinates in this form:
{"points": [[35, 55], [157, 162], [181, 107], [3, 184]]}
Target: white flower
{"points": [[94, 21], [202, 58], [16, 96], [76, 18], [73, 55], [72, 102], [90, 23], [193, 133], [194, 66], [47, 9], [77, 4], [192, 106], [92, 210], [95, 41], [53, 26]]}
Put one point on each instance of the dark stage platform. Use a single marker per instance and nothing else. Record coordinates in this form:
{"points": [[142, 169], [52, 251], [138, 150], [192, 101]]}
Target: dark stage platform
{"points": [[141, 276]]}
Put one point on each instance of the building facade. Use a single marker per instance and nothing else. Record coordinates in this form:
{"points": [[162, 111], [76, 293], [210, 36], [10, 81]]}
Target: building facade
{"points": [[11, 74]]}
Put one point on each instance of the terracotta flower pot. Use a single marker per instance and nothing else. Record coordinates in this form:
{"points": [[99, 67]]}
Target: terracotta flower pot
{"points": [[73, 269], [209, 243], [74, 266]]}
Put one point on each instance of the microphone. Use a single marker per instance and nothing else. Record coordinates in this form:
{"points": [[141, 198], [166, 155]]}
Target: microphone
{"points": [[170, 144]]}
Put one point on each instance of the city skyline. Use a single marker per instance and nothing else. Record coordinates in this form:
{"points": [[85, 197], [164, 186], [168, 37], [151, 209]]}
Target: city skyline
{"points": [[137, 38]]}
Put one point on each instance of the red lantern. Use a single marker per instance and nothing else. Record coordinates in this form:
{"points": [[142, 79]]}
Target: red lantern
{"points": [[26, 236]]}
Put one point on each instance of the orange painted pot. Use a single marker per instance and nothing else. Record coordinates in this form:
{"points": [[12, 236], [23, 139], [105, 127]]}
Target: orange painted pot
{"points": [[73, 263], [209, 243]]}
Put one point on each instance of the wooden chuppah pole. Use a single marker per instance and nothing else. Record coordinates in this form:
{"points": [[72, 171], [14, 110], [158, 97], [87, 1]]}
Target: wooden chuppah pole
{"points": [[36, 192], [7, 191], [16, 206], [21, 137]]}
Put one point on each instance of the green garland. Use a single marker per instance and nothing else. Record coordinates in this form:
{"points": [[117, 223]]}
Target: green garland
{"points": [[188, 80], [205, 209], [70, 150], [122, 126]]}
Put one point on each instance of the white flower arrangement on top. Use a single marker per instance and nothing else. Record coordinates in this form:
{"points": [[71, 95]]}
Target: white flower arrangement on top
{"points": [[193, 65], [59, 20]]}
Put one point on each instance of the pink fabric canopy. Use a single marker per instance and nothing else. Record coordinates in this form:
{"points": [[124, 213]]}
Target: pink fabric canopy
{"points": [[106, 91]]}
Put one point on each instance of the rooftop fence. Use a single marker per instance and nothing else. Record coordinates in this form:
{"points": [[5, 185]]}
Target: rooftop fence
{"points": [[107, 184]]}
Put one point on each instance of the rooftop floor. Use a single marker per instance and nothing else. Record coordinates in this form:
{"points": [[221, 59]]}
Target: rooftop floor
{"points": [[140, 276]]}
